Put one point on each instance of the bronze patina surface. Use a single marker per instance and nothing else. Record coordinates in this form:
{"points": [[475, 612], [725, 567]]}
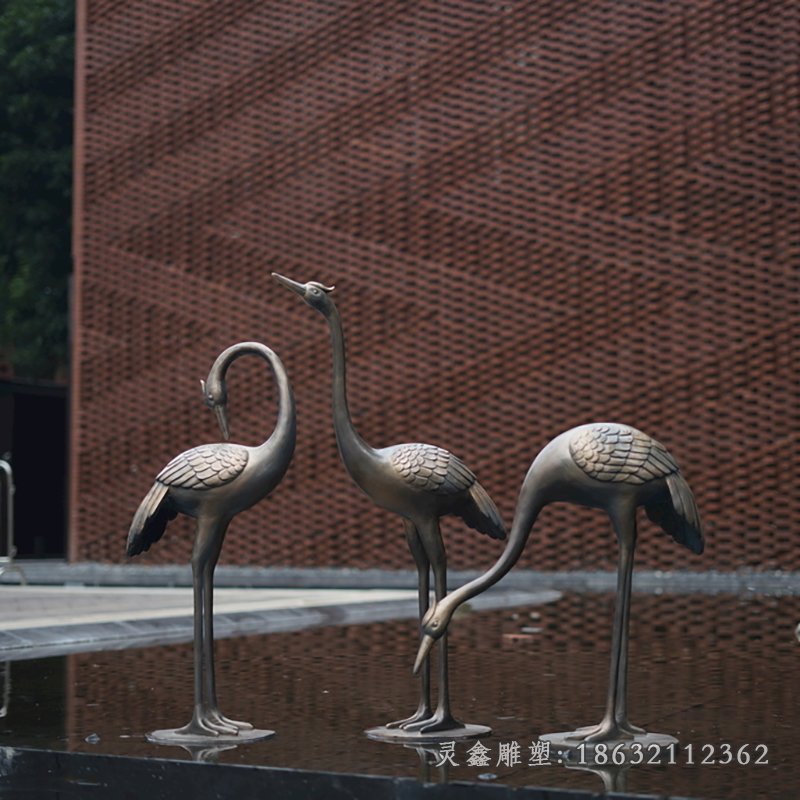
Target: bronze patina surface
{"points": [[615, 468], [213, 483], [420, 483]]}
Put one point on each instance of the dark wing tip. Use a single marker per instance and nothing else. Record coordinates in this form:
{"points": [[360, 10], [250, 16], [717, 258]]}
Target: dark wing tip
{"points": [[482, 514], [150, 520]]}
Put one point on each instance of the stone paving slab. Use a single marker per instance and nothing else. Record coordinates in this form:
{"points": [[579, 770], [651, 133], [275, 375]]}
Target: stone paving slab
{"points": [[37, 621], [40, 606]]}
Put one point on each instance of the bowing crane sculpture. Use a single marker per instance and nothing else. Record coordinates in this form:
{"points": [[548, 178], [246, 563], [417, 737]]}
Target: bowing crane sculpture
{"points": [[213, 483], [421, 483], [615, 468]]}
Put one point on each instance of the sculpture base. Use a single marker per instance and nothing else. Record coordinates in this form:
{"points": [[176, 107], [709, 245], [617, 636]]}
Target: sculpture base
{"points": [[567, 747], [177, 736], [384, 734]]}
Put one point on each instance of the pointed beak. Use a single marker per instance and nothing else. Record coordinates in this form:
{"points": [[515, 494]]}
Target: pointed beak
{"points": [[424, 648], [222, 419], [296, 287]]}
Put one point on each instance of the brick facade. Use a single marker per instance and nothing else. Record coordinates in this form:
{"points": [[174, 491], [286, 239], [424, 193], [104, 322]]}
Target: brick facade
{"points": [[535, 214]]}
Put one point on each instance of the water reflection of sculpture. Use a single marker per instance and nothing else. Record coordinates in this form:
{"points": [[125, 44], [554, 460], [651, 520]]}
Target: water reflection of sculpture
{"points": [[614, 468], [213, 483], [421, 483]]}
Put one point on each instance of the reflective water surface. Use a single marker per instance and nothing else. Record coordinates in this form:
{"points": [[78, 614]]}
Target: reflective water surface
{"points": [[711, 670]]}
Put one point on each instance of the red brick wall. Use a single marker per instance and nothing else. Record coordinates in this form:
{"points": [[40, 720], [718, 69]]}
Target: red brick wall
{"points": [[536, 215]]}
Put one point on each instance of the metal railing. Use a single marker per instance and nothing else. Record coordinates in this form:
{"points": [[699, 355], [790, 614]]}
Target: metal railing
{"points": [[6, 693], [7, 561]]}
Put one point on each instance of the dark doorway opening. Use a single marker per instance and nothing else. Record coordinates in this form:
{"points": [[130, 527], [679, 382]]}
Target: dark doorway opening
{"points": [[33, 438]]}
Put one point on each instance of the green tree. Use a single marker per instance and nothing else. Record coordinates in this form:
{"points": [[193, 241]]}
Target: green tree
{"points": [[36, 91]]}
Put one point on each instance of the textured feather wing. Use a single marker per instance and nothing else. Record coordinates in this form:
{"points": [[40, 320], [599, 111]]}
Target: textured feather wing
{"points": [[432, 469], [204, 467], [610, 452]]}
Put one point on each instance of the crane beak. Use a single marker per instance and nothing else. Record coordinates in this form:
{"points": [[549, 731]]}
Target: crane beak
{"points": [[296, 287], [222, 419], [424, 648]]}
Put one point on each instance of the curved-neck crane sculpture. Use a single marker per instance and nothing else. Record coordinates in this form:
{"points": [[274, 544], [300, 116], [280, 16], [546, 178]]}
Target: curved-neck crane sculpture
{"points": [[421, 483], [615, 468], [212, 483]]}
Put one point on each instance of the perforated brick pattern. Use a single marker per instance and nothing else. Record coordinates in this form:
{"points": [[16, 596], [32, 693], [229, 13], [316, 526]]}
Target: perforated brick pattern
{"points": [[535, 214]]}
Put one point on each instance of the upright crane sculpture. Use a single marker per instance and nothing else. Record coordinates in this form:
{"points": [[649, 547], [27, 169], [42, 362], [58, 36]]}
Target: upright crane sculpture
{"points": [[615, 468], [213, 483], [421, 483]]}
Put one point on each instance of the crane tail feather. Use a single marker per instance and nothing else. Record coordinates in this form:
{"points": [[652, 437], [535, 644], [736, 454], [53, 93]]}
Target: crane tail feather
{"points": [[678, 515], [482, 514], [150, 520]]}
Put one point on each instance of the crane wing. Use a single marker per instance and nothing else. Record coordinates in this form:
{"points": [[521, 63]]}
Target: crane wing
{"points": [[204, 467], [150, 520], [431, 468], [611, 452]]}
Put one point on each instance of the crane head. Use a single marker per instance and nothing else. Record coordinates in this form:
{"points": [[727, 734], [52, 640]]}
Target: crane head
{"points": [[215, 396], [434, 626], [315, 294]]}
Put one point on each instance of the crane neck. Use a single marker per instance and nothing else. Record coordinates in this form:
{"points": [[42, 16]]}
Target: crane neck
{"points": [[349, 442], [530, 502], [285, 432]]}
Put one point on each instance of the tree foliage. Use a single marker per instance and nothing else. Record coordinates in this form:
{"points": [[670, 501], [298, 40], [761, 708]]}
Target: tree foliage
{"points": [[36, 96]]}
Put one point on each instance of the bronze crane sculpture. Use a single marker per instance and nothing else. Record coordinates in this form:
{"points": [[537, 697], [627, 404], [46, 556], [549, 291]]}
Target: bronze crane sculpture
{"points": [[615, 468], [213, 483], [421, 483]]}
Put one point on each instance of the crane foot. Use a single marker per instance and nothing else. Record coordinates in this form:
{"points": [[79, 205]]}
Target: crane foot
{"points": [[220, 719], [630, 728], [440, 721], [201, 725], [606, 731], [421, 714]]}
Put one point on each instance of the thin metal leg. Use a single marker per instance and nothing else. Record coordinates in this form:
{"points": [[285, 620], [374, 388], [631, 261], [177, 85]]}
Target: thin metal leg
{"points": [[621, 706], [442, 718], [212, 704], [608, 728], [199, 724], [423, 593], [202, 722]]}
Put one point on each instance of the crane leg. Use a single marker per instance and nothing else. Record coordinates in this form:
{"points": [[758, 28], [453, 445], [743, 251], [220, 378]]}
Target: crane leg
{"points": [[609, 728], [442, 718], [621, 706], [423, 711], [209, 674], [203, 723]]}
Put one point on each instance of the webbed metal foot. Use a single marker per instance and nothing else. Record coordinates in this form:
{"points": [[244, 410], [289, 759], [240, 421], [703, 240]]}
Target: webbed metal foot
{"points": [[439, 721], [220, 719], [203, 724], [606, 731], [422, 713]]}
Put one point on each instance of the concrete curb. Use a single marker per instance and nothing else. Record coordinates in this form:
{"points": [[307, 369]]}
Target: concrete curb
{"points": [[772, 582]]}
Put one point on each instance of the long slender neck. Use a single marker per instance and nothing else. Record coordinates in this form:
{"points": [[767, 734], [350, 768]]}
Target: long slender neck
{"points": [[285, 431], [350, 443], [529, 504]]}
